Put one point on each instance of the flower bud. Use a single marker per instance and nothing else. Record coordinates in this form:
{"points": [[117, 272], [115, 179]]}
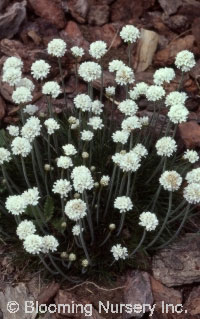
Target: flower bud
{"points": [[85, 263], [72, 257], [47, 167], [85, 155], [92, 168], [64, 255], [77, 195], [112, 227]]}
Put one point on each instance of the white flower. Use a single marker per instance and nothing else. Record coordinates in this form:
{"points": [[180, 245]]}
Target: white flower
{"points": [[170, 180], [84, 263], [72, 257], [49, 244], [193, 176], [26, 83], [166, 146], [76, 230], [128, 107], [25, 229], [110, 90], [97, 107], [155, 93], [31, 196], [95, 122], [13, 130], [144, 120], [51, 126], [120, 137], [163, 75], [185, 60], [51, 88], [139, 89], [75, 209], [64, 162], [77, 52], [98, 49], [4, 155], [12, 62], [148, 220], [192, 193], [21, 146], [33, 244], [90, 71], [175, 98], [31, 128], [15, 204], [82, 179], [57, 48], [123, 203], [87, 135], [131, 123], [140, 150], [69, 149], [40, 69], [128, 162], [12, 76], [191, 155], [178, 114], [62, 187], [22, 95], [105, 179], [119, 252], [31, 109], [83, 102], [124, 76], [115, 65], [130, 34]]}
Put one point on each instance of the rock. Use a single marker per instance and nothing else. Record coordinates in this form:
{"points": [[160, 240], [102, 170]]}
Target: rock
{"points": [[48, 293], [3, 4], [195, 30], [146, 48], [179, 263], [170, 6], [195, 70], [78, 9], [137, 291], [190, 134], [108, 33], [108, 80], [123, 10], [193, 302], [11, 20], [98, 15], [177, 22], [190, 9], [51, 10], [2, 108], [166, 56], [6, 91], [74, 36]]}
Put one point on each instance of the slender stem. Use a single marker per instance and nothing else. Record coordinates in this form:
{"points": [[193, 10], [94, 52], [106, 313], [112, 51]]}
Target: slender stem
{"points": [[59, 270], [35, 171], [62, 79], [24, 172], [6, 179], [101, 90], [83, 243], [110, 189], [139, 245], [106, 239], [122, 220], [46, 266], [89, 217], [98, 205]]}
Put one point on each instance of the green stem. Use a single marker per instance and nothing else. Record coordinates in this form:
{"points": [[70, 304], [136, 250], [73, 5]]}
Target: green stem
{"points": [[24, 172], [139, 245]]}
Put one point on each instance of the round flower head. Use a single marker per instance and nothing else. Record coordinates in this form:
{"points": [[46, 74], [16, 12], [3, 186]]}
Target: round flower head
{"points": [[31, 196], [62, 187], [98, 49], [130, 162], [119, 252], [82, 179], [128, 107], [13, 130], [26, 83], [76, 230], [64, 162], [72, 257], [33, 244], [25, 229], [21, 146], [140, 150], [15, 204], [51, 88], [123, 203], [90, 71], [12, 62], [69, 149], [120, 137], [95, 122], [75, 209], [77, 52], [144, 120], [49, 244], [83, 102], [40, 69], [139, 89], [21, 95], [185, 61], [191, 155], [57, 48], [170, 180], [85, 263], [51, 126], [31, 128], [115, 65], [124, 76], [87, 135], [130, 34], [148, 220], [192, 193], [4, 156], [193, 176], [97, 107], [131, 123], [110, 91], [163, 75], [178, 114], [105, 180], [176, 98], [155, 93], [12, 76], [31, 109], [166, 146]]}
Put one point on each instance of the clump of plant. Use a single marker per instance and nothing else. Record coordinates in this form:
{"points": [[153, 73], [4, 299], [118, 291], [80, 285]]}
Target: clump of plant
{"points": [[85, 190]]}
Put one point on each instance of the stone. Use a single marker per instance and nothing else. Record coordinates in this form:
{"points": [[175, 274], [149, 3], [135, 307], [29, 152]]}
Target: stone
{"points": [[123, 10], [137, 291], [195, 30], [2, 107], [74, 36], [98, 15], [51, 10], [179, 263], [108, 33], [12, 19], [3, 4], [190, 134], [193, 302], [177, 22], [108, 80], [190, 9], [170, 6], [78, 9], [48, 293]]}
